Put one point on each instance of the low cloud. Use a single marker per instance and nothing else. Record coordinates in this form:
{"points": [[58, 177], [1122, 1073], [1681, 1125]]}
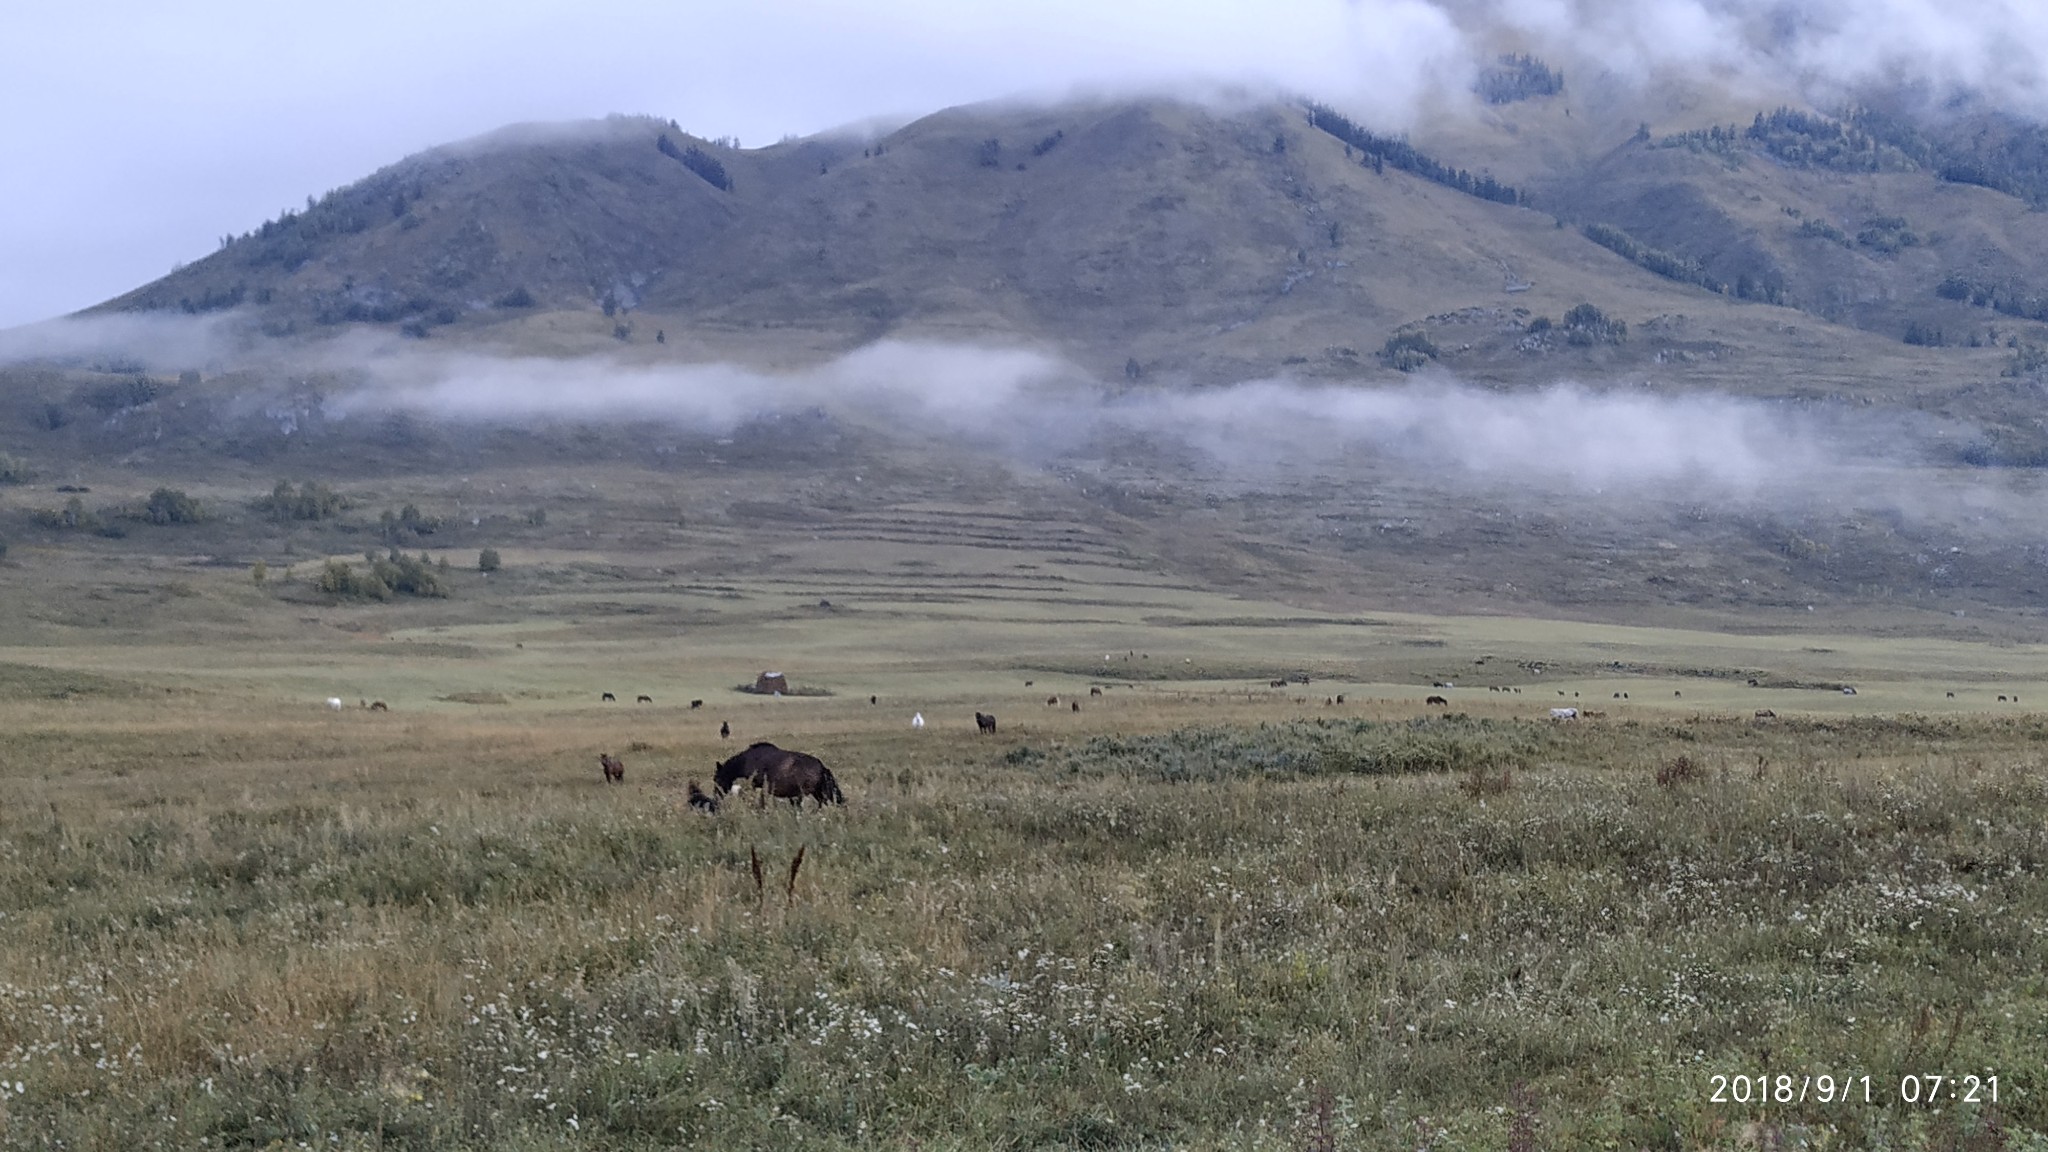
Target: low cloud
{"points": [[156, 342], [1036, 409]]}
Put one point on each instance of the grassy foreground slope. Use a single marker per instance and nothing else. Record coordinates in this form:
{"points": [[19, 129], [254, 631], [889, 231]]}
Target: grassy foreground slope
{"points": [[228, 926]]}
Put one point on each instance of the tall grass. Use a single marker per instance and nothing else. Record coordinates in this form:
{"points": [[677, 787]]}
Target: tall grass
{"points": [[242, 933]]}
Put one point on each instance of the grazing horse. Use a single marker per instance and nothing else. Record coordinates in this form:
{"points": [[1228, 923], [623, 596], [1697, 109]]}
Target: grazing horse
{"points": [[1340, 697], [1766, 714], [334, 703], [379, 706], [724, 730], [1437, 700], [609, 698], [614, 768], [1095, 691], [778, 772], [984, 722], [695, 704], [644, 699], [1076, 704], [1052, 701], [872, 700]]}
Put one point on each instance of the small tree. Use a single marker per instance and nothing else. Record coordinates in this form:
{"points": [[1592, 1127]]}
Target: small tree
{"points": [[488, 560], [259, 572]]}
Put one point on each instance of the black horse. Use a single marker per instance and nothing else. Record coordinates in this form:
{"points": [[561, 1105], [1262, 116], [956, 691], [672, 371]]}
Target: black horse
{"points": [[984, 722], [785, 775]]}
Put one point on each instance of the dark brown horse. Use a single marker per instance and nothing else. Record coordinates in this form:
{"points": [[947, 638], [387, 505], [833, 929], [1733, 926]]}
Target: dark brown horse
{"points": [[984, 722], [778, 772], [614, 768]]}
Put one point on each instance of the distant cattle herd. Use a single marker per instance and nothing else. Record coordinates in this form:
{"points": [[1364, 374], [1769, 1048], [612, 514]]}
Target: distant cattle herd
{"points": [[798, 776]]}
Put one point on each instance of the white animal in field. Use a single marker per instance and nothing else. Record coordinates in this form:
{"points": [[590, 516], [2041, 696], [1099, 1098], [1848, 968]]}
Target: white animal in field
{"points": [[1564, 713], [917, 720], [334, 703]]}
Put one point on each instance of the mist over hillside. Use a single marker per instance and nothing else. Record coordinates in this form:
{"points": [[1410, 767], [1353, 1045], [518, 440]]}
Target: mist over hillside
{"points": [[1755, 346]]}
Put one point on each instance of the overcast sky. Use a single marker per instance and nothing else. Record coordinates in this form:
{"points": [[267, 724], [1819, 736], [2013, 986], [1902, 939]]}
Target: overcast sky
{"points": [[137, 133]]}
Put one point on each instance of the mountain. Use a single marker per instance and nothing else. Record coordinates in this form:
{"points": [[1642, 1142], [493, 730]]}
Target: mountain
{"points": [[1185, 242]]}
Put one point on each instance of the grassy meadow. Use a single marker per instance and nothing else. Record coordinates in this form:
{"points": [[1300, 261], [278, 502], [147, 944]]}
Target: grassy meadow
{"points": [[1202, 912]]}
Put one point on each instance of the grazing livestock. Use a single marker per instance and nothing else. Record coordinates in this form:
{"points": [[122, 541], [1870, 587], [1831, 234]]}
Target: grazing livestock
{"points": [[1029, 683], [872, 700], [724, 730], [1951, 695], [1340, 697], [917, 720], [379, 706], [334, 703], [695, 704], [1095, 691], [1564, 713], [984, 722], [614, 768], [778, 772], [1276, 683], [700, 801], [1752, 682], [1589, 714], [644, 700], [1076, 704], [1437, 701], [608, 698], [1848, 691], [1052, 701], [1677, 693], [1766, 714], [2001, 699]]}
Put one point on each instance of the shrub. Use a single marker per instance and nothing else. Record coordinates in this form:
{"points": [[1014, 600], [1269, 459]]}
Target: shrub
{"points": [[309, 501], [170, 506], [12, 471], [71, 517], [388, 575], [1682, 770], [339, 579], [259, 572], [517, 298], [1586, 325], [488, 560], [407, 523], [1408, 351]]}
